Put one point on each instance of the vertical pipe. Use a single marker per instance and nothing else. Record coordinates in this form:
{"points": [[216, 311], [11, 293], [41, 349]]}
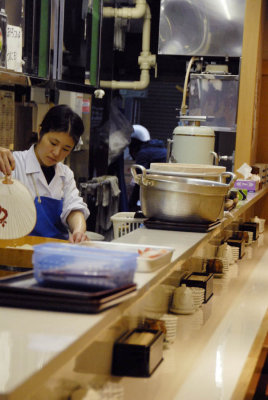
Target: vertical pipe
{"points": [[146, 30], [94, 42]]}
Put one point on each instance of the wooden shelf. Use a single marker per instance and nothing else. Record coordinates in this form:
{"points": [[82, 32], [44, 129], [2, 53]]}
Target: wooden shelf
{"points": [[8, 77]]}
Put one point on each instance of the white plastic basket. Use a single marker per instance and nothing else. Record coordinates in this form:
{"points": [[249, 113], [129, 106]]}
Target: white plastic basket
{"points": [[124, 222]]}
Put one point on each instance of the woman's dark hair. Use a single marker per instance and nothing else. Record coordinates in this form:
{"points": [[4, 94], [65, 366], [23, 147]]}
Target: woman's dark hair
{"points": [[62, 118]]}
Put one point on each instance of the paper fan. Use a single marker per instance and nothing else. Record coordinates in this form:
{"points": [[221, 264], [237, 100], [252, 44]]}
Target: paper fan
{"points": [[17, 209]]}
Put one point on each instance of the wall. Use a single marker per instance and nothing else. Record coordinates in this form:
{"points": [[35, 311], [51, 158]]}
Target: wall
{"points": [[262, 147], [263, 115], [249, 92]]}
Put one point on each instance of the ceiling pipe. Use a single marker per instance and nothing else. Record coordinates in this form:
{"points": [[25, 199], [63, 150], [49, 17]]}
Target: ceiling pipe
{"points": [[126, 12], [146, 60]]}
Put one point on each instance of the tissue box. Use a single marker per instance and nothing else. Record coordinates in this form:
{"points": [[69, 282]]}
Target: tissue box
{"points": [[249, 185], [135, 354]]}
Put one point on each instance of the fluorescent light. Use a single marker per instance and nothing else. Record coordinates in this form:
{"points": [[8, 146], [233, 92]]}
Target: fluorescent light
{"points": [[226, 9]]}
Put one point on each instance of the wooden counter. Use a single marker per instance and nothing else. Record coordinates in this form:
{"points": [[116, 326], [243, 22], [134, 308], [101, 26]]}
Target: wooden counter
{"points": [[37, 346]]}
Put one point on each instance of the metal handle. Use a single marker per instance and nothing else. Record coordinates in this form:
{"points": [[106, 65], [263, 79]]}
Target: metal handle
{"points": [[230, 175], [215, 157], [226, 158], [169, 149], [140, 179]]}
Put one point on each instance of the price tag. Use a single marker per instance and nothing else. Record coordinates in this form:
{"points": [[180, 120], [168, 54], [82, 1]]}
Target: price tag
{"points": [[14, 48]]}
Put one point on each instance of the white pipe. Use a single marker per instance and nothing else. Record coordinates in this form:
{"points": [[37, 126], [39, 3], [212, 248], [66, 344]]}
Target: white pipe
{"points": [[126, 12], [146, 60], [183, 104], [134, 85], [146, 30]]}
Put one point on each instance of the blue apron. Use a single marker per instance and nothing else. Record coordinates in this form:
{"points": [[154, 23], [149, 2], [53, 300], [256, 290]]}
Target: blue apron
{"points": [[48, 221]]}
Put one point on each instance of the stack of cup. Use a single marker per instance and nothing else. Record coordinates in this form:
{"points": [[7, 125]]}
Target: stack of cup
{"points": [[198, 296], [170, 322], [235, 252]]}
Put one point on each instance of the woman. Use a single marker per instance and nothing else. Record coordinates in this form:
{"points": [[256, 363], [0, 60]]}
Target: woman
{"points": [[59, 207]]}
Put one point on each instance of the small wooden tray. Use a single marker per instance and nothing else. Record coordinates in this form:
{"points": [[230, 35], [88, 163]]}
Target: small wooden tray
{"points": [[12, 255]]}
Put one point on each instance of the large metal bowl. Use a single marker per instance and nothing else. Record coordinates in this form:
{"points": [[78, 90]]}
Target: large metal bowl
{"points": [[180, 199]]}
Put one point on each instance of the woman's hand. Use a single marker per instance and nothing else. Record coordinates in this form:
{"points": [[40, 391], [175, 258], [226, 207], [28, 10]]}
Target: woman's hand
{"points": [[7, 161], [77, 237], [77, 225]]}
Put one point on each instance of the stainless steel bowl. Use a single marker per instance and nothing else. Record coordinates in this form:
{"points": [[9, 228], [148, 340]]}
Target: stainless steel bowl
{"points": [[180, 199]]}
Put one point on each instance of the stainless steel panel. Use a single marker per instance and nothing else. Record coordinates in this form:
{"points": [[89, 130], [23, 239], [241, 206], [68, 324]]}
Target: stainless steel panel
{"points": [[201, 28], [216, 97]]}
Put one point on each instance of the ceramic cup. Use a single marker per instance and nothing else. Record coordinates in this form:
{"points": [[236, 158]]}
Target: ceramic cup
{"points": [[159, 299], [183, 302]]}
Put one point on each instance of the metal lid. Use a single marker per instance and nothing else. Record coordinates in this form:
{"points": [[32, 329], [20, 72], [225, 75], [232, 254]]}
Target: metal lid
{"points": [[191, 130]]}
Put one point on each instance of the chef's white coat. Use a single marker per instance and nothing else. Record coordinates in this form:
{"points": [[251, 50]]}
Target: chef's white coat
{"points": [[62, 185]]}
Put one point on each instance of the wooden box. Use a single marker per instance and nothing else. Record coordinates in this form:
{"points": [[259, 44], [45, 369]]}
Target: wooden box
{"points": [[18, 252], [200, 279], [137, 358]]}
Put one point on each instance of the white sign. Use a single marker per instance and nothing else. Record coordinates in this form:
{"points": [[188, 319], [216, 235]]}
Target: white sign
{"points": [[14, 48]]}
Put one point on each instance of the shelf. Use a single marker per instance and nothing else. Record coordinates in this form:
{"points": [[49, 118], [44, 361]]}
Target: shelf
{"points": [[63, 85], [8, 77], [47, 341], [186, 247], [252, 199]]}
